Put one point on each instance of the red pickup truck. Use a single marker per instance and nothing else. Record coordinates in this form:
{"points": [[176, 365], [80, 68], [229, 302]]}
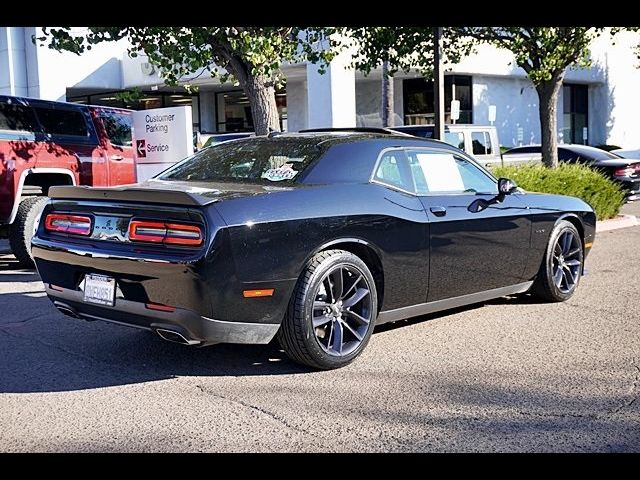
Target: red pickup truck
{"points": [[44, 143]]}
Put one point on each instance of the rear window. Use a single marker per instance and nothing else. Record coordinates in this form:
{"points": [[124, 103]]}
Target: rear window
{"points": [[16, 117], [481, 143], [260, 160], [118, 127], [62, 121]]}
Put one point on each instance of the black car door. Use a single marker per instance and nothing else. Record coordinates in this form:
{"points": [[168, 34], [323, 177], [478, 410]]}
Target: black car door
{"points": [[478, 241]]}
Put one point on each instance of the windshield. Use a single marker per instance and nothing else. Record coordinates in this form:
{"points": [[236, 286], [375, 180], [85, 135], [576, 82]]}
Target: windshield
{"points": [[261, 160]]}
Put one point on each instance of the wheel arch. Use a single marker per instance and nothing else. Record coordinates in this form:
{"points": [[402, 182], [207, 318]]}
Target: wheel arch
{"points": [[367, 252], [41, 177], [576, 221]]}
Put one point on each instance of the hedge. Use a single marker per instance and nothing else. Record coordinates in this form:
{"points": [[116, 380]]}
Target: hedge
{"points": [[575, 180]]}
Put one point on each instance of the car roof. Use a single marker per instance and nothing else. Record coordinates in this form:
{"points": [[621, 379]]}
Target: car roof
{"points": [[449, 126], [349, 156], [351, 136]]}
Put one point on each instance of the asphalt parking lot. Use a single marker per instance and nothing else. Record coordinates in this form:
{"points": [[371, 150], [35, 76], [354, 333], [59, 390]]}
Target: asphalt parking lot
{"points": [[509, 375]]}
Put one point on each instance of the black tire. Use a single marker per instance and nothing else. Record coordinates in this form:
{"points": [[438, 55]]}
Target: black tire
{"points": [[22, 228], [298, 337], [544, 285]]}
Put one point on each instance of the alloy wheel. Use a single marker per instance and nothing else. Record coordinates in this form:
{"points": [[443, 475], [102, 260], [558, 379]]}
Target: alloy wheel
{"points": [[342, 310], [567, 261]]}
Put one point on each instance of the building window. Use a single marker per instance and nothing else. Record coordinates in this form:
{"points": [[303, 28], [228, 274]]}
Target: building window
{"points": [[419, 104], [234, 111], [148, 99], [575, 103]]}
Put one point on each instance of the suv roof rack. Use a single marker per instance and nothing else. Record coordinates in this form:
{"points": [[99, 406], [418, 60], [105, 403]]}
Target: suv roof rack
{"points": [[386, 131]]}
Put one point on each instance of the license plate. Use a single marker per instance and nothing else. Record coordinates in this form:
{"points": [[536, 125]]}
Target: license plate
{"points": [[99, 289]]}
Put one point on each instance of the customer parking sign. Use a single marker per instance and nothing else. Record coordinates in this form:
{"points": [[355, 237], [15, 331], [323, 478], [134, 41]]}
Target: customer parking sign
{"points": [[162, 137]]}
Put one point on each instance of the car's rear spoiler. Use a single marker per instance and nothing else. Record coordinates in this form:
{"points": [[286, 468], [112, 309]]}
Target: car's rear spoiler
{"points": [[130, 194]]}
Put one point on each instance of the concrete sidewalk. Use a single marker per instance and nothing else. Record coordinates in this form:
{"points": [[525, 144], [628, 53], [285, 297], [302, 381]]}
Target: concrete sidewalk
{"points": [[629, 217]]}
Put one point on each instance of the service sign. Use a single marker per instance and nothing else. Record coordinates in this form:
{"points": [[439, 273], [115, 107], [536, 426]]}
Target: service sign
{"points": [[161, 137]]}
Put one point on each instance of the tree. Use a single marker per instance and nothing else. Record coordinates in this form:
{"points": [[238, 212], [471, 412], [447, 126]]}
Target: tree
{"points": [[398, 49], [544, 53], [250, 55]]}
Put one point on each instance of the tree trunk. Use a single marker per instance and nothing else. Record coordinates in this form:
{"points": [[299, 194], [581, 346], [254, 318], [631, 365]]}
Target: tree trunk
{"points": [[548, 95], [260, 92], [387, 96], [262, 99]]}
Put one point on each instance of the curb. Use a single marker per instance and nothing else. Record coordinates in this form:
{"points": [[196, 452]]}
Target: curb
{"points": [[621, 221]]}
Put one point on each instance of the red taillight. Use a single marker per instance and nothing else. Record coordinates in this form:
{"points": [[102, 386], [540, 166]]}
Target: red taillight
{"points": [[162, 232], [159, 307], [627, 171], [75, 224]]}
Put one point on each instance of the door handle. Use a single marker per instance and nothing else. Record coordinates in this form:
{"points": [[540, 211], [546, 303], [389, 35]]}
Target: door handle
{"points": [[438, 211], [117, 158]]}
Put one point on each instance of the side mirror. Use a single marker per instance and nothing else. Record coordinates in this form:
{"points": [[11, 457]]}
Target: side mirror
{"points": [[506, 186]]}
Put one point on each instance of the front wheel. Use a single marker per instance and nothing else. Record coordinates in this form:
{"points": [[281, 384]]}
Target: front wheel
{"points": [[332, 311], [562, 264]]}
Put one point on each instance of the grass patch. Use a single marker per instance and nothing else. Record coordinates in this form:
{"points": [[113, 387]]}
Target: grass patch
{"points": [[575, 180]]}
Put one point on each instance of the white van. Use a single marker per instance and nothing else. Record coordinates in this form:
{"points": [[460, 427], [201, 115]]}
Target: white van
{"points": [[480, 141]]}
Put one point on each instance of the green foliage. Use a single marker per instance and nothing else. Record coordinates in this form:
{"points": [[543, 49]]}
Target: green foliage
{"points": [[575, 180], [543, 52], [607, 148], [129, 96], [250, 56], [405, 48], [222, 51]]}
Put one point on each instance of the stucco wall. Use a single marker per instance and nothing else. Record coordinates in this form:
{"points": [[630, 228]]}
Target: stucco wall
{"points": [[51, 73], [369, 100], [297, 113], [517, 106]]}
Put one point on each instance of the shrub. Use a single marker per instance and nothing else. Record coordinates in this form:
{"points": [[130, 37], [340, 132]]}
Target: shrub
{"points": [[575, 180]]}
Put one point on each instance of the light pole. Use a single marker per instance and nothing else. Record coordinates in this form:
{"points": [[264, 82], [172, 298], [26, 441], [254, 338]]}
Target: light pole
{"points": [[438, 84]]}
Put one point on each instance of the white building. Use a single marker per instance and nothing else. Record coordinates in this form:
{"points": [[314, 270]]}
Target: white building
{"points": [[601, 101]]}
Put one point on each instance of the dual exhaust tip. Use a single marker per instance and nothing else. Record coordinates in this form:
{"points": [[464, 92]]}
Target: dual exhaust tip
{"points": [[165, 334]]}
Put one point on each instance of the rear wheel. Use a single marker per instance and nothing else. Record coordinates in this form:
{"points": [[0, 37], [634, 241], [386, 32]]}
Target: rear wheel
{"points": [[332, 312], [561, 267], [24, 227]]}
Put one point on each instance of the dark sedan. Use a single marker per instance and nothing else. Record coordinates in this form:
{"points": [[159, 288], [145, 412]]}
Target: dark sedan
{"points": [[314, 238], [624, 171]]}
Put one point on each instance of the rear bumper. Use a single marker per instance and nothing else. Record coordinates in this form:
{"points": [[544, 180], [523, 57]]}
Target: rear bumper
{"points": [[632, 188], [192, 327]]}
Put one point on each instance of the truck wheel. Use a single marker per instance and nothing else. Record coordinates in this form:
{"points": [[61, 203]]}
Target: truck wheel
{"points": [[23, 228]]}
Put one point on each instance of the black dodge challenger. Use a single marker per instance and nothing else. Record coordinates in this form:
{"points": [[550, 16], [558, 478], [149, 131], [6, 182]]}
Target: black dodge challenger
{"points": [[314, 237]]}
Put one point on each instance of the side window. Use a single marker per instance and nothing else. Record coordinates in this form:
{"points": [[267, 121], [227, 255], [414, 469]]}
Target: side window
{"points": [[118, 127], [446, 173], [481, 142], [392, 170], [62, 121], [16, 117], [455, 138]]}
